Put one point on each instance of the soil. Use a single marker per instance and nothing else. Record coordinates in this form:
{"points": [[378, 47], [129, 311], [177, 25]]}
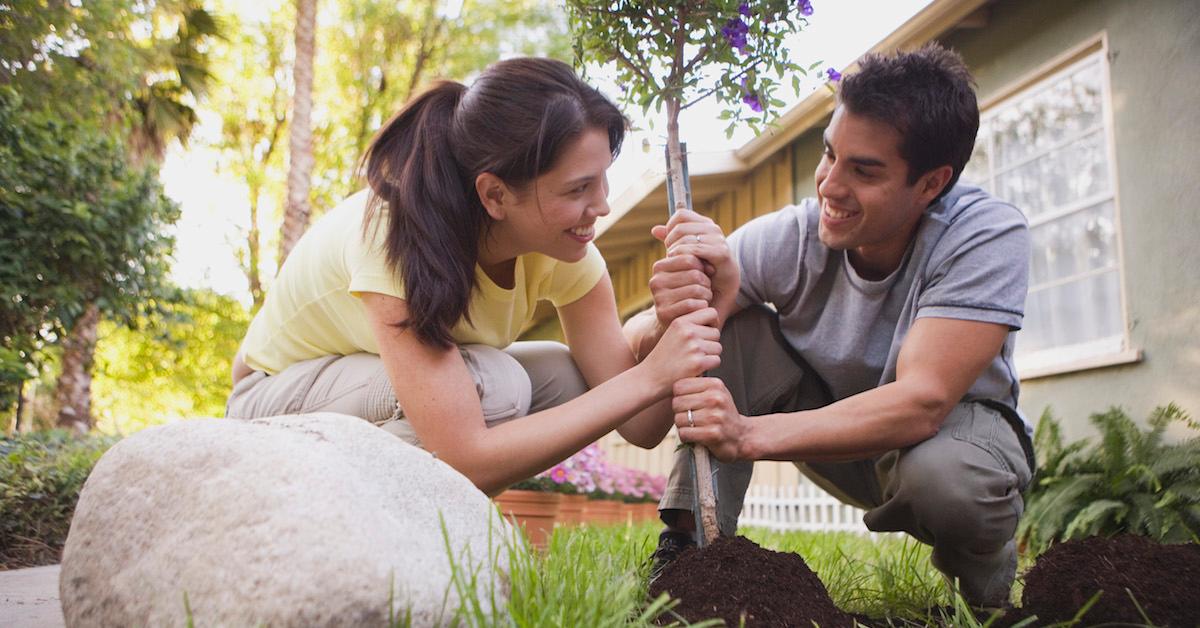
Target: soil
{"points": [[1162, 578], [733, 578]]}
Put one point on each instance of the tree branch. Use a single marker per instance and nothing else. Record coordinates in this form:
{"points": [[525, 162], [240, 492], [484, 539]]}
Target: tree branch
{"points": [[644, 73], [753, 65]]}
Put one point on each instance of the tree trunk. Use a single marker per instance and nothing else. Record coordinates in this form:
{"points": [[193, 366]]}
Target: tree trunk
{"points": [[675, 156], [19, 413], [252, 244], [295, 219], [74, 394]]}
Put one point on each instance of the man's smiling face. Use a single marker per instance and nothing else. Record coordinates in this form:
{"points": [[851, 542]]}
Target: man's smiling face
{"points": [[868, 207]]}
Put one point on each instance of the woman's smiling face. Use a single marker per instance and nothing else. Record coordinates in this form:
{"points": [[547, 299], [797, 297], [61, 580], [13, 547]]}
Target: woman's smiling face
{"points": [[556, 214]]}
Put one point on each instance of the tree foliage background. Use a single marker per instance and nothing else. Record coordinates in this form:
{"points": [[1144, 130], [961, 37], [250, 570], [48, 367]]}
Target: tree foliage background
{"points": [[93, 94]]}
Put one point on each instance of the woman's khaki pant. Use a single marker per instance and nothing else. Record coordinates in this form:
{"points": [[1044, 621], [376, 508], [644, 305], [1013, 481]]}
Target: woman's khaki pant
{"points": [[959, 491], [525, 377]]}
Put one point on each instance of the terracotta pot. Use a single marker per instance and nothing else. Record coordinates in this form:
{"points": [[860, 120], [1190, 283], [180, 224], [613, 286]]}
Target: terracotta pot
{"points": [[628, 513], [601, 511], [649, 511], [534, 511], [570, 509]]}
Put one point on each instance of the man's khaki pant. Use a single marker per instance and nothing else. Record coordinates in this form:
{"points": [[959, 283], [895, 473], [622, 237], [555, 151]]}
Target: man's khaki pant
{"points": [[523, 378], [959, 491]]}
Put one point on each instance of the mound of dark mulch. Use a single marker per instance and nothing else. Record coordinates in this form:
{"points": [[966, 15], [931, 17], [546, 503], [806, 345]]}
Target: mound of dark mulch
{"points": [[1162, 578], [734, 578]]}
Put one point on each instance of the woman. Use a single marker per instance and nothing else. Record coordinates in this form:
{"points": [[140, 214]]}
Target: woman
{"points": [[402, 304]]}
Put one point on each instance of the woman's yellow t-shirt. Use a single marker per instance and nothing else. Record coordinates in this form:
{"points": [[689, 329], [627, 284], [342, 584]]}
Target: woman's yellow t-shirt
{"points": [[312, 309]]}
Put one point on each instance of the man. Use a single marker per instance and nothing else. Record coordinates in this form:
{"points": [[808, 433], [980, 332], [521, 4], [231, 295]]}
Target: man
{"points": [[884, 367]]}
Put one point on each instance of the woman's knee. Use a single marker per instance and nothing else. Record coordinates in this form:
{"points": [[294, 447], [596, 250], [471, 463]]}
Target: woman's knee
{"points": [[500, 380], [554, 377]]}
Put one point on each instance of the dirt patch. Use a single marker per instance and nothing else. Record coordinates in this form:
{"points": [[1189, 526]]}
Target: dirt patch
{"points": [[734, 578], [1162, 578]]}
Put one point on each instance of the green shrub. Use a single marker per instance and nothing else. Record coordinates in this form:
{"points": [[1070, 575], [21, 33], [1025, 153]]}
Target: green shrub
{"points": [[1129, 482], [41, 475]]}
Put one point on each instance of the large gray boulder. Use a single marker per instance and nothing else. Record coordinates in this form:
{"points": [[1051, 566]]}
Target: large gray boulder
{"points": [[312, 520]]}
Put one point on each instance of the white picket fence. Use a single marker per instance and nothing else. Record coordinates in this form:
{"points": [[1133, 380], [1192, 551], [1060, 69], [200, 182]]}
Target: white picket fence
{"points": [[780, 497], [801, 506]]}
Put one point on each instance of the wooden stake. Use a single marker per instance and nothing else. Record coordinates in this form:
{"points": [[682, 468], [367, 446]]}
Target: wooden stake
{"points": [[679, 196], [709, 530]]}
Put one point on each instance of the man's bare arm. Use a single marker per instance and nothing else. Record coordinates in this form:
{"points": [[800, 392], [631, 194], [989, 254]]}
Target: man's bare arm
{"points": [[938, 362]]}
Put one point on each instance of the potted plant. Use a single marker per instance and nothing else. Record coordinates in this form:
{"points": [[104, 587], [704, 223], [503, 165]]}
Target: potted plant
{"points": [[533, 505], [646, 490], [566, 481]]}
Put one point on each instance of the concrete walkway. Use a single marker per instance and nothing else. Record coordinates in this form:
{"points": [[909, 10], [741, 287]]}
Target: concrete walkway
{"points": [[29, 598]]}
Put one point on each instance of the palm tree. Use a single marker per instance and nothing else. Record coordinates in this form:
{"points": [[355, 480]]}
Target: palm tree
{"points": [[295, 218], [157, 114]]}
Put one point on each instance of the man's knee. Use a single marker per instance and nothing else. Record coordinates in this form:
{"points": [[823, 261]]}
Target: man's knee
{"points": [[959, 491], [761, 369]]}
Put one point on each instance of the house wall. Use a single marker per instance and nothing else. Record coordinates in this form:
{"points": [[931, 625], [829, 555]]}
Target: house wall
{"points": [[1154, 51]]}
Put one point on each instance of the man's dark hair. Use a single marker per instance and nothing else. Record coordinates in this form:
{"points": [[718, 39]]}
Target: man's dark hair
{"points": [[928, 96]]}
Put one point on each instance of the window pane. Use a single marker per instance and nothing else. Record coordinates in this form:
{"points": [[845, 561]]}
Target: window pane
{"points": [[1072, 313], [1048, 115], [1073, 244], [1046, 151], [1036, 325], [976, 171], [1059, 178]]}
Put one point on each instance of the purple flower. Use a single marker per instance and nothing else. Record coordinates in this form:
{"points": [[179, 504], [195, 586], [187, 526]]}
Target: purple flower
{"points": [[834, 75], [805, 7], [735, 31], [744, 9], [750, 98]]}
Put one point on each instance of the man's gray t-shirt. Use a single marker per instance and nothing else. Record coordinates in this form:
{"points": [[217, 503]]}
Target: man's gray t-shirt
{"points": [[969, 260]]}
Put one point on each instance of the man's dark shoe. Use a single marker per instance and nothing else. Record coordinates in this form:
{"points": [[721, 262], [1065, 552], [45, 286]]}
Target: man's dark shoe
{"points": [[670, 545]]}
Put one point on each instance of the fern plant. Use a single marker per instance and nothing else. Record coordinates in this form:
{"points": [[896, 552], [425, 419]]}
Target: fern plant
{"points": [[1130, 481]]}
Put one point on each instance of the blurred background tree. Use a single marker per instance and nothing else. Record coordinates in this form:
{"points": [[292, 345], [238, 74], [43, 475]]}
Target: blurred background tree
{"points": [[128, 72], [173, 364], [82, 226]]}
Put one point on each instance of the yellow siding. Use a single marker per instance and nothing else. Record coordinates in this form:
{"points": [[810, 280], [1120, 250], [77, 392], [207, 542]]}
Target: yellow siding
{"points": [[743, 204], [763, 182], [782, 171]]}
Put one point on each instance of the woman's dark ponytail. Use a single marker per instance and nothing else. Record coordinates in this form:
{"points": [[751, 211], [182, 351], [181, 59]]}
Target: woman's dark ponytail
{"points": [[514, 122], [434, 222]]}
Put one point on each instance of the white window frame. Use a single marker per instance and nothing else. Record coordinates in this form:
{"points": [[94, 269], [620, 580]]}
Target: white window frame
{"points": [[1101, 352]]}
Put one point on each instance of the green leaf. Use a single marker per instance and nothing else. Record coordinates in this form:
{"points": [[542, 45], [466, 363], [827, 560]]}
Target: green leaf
{"points": [[1089, 520]]}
